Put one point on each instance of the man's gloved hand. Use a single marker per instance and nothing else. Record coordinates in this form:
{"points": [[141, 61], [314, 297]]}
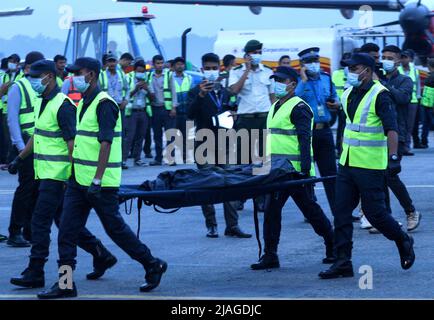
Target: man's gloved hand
{"points": [[15, 165], [94, 191], [302, 175], [394, 166]]}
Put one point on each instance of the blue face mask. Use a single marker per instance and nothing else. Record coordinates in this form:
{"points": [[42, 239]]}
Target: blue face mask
{"points": [[140, 75], [353, 79], [80, 83], [388, 65], [314, 67], [37, 85], [280, 89], [256, 58]]}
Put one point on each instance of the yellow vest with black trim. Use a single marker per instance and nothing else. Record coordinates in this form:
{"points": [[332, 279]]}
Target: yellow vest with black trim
{"points": [[428, 96], [29, 99], [6, 78], [59, 82], [167, 90], [87, 147], [339, 79], [122, 78], [414, 75], [51, 155], [364, 143], [2, 103], [131, 81], [282, 139]]}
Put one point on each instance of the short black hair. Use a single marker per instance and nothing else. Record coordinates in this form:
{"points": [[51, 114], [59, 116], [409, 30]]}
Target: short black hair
{"points": [[392, 48], [178, 59], [140, 63], [104, 58], [284, 57], [370, 47], [210, 57], [157, 57], [127, 56], [228, 59], [59, 57], [4, 63]]}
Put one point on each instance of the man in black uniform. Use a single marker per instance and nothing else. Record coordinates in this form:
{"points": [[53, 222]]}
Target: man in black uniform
{"points": [[299, 115], [52, 175], [370, 146], [95, 181]]}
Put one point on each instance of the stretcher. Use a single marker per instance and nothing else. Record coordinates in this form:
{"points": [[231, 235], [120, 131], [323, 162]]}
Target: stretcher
{"points": [[173, 200]]}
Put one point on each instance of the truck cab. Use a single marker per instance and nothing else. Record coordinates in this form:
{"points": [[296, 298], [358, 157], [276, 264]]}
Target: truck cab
{"points": [[93, 36]]}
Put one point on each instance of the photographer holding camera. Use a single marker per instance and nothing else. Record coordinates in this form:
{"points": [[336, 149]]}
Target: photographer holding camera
{"points": [[206, 101]]}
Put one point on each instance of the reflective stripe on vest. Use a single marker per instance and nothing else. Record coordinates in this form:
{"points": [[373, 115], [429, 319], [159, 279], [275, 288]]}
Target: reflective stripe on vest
{"points": [[339, 79], [29, 99], [51, 154], [167, 90], [87, 147], [73, 93], [282, 139], [122, 78], [364, 143], [414, 75]]}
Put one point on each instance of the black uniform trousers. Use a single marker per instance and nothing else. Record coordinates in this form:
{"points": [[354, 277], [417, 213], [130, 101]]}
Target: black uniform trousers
{"points": [[24, 200], [48, 209], [5, 141], [353, 185], [76, 210], [303, 198], [324, 155]]}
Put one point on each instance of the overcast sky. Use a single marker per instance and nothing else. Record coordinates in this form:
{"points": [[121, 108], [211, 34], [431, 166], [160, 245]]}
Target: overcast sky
{"points": [[171, 20]]}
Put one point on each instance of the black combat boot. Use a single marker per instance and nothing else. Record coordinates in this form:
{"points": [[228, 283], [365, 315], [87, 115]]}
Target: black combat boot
{"points": [[102, 261], [330, 253], [406, 252], [153, 276], [342, 267], [32, 276], [267, 261], [56, 293]]}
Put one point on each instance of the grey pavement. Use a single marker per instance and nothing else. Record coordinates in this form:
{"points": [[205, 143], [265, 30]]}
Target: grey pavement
{"points": [[200, 267]]}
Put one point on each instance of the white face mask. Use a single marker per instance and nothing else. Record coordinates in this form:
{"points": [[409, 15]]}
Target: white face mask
{"points": [[211, 75]]}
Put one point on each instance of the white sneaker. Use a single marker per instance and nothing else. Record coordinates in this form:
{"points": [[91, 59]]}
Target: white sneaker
{"points": [[413, 220], [364, 223]]}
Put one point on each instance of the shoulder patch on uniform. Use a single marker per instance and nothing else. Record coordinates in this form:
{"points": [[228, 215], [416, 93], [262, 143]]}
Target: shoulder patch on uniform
{"points": [[301, 104], [239, 67]]}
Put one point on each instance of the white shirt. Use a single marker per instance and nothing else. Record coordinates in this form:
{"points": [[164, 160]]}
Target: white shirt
{"points": [[255, 94]]}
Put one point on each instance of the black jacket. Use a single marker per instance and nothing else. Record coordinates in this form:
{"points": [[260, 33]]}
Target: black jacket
{"points": [[401, 89], [201, 110]]}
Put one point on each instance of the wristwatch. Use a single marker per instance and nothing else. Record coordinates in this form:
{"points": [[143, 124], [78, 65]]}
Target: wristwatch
{"points": [[96, 182], [394, 157]]}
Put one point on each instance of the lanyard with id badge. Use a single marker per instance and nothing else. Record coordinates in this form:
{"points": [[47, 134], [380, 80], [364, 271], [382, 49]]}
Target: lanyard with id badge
{"points": [[320, 105]]}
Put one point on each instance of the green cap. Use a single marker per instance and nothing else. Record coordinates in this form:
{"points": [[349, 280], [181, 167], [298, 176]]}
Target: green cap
{"points": [[252, 45]]}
